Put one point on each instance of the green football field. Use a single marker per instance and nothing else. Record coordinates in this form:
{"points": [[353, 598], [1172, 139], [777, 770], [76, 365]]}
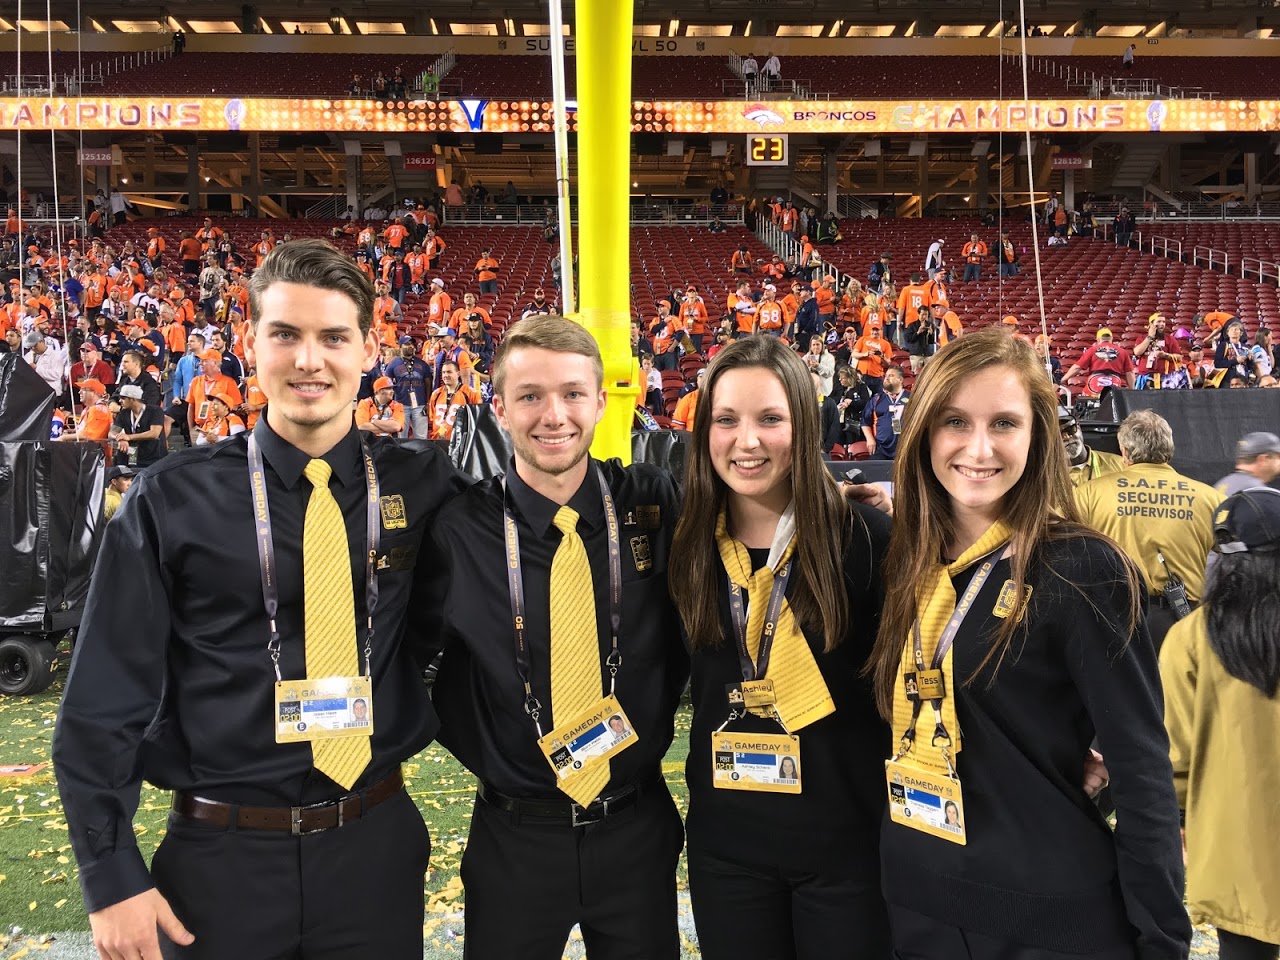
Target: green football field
{"points": [[41, 913]]}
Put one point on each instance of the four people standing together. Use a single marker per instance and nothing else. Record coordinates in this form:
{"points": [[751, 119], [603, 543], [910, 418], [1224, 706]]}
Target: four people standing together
{"points": [[572, 599]]}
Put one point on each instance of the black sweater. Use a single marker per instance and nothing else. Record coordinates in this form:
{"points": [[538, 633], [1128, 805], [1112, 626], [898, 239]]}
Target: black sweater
{"points": [[1042, 867], [834, 822]]}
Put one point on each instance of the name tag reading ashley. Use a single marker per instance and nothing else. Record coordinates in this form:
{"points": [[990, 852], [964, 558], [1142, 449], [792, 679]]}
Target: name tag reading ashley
{"points": [[321, 709], [766, 762], [588, 739]]}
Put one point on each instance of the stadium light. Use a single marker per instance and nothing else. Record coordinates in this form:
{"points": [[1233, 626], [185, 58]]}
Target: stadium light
{"points": [[747, 31], [673, 28]]}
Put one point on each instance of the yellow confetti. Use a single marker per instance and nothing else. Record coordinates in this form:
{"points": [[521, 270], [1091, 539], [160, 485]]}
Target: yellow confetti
{"points": [[63, 860], [60, 904], [31, 905]]}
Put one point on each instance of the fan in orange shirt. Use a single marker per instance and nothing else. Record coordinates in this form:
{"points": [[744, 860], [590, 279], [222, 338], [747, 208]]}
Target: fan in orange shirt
{"points": [[255, 401], [486, 271], [380, 414], [447, 400], [693, 314], [95, 420], [263, 247], [687, 406], [871, 351], [395, 235], [771, 319], [441, 307]]}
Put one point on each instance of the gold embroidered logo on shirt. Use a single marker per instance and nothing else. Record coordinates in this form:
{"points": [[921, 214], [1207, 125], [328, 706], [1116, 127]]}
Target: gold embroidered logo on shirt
{"points": [[393, 512], [641, 554], [1008, 596]]}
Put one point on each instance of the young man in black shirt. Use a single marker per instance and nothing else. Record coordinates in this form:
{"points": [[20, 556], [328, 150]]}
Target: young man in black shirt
{"points": [[140, 438], [563, 851], [279, 843]]}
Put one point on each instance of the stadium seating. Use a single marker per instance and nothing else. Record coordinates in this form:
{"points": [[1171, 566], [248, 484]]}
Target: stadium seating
{"points": [[1087, 284], [261, 75], [651, 79], [1249, 78]]}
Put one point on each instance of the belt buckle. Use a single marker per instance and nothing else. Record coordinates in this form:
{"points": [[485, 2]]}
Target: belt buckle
{"points": [[295, 818], [588, 818]]}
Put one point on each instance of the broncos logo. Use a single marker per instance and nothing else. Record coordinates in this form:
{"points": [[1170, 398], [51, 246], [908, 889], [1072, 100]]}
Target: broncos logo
{"points": [[762, 115]]}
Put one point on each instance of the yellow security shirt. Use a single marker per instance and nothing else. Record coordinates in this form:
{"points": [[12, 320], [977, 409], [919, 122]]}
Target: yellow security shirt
{"points": [[1099, 464], [1149, 508]]}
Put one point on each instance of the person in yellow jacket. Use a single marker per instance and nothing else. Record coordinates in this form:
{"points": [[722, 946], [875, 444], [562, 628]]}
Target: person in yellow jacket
{"points": [[1086, 464], [1221, 675], [1161, 519]]}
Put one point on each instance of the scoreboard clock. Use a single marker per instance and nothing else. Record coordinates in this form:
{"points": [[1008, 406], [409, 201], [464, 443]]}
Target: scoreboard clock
{"points": [[767, 150]]}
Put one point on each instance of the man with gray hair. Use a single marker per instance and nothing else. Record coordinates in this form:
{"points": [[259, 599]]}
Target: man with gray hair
{"points": [[46, 359], [1161, 519], [1257, 464]]}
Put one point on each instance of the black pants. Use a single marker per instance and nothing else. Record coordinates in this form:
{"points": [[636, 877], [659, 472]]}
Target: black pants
{"points": [[527, 882], [345, 894], [917, 937], [1233, 946], [746, 911]]}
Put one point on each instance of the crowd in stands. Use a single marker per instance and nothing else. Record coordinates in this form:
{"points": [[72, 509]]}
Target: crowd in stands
{"points": [[99, 320]]}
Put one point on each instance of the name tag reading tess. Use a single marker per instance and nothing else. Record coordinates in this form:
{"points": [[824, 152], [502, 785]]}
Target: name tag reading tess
{"points": [[308, 710], [588, 739], [762, 762]]}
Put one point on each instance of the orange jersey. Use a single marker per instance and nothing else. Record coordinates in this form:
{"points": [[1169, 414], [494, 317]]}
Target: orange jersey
{"points": [[443, 409], [872, 366], [95, 422], [433, 247], [189, 249], [770, 315], [741, 260], [155, 247], [95, 290], [486, 269], [175, 337], [665, 333], [417, 266], [261, 249], [826, 302], [253, 394], [910, 299], [974, 251], [441, 308], [201, 389], [693, 313], [686, 408], [395, 236], [367, 410], [458, 319]]}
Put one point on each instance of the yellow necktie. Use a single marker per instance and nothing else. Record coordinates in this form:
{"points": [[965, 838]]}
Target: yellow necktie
{"points": [[329, 620], [575, 647], [934, 617], [800, 692]]}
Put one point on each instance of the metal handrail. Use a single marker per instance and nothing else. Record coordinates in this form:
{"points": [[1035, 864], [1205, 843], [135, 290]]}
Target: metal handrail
{"points": [[1209, 258], [1265, 269], [1165, 246]]}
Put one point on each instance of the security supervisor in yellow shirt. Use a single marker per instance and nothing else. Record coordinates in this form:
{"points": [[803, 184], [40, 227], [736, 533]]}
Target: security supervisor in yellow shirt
{"points": [[1161, 519]]}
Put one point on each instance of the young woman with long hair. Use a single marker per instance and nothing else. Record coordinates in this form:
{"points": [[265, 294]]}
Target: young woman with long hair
{"points": [[1011, 637], [777, 581], [1221, 672]]}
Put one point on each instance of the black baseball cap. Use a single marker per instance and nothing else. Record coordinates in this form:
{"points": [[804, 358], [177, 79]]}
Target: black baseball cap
{"points": [[1248, 522], [116, 472]]}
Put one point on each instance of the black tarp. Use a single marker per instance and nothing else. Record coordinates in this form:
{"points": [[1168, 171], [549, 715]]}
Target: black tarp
{"points": [[26, 402], [50, 509], [1206, 423]]}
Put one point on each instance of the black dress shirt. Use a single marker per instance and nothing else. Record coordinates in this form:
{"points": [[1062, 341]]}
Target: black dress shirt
{"points": [[148, 451], [837, 815], [478, 693], [150, 389], [171, 680]]}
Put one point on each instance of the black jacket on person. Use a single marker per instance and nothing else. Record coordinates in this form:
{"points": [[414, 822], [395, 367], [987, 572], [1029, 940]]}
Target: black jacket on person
{"points": [[1041, 865]]}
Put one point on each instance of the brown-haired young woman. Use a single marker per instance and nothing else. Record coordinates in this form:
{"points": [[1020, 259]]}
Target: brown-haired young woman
{"points": [[1011, 637], [777, 581]]}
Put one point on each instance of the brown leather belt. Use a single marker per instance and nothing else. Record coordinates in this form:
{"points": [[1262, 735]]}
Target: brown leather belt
{"points": [[299, 821]]}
